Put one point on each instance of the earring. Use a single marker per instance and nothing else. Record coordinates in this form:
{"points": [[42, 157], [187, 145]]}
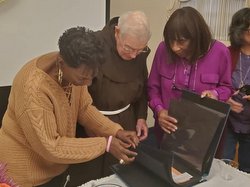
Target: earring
{"points": [[60, 76]]}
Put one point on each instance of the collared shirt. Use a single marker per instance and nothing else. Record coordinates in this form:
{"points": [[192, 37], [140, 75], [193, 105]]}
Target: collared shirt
{"points": [[210, 72]]}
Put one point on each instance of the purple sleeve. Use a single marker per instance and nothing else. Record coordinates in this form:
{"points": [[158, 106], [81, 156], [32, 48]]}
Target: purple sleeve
{"points": [[154, 83], [224, 89]]}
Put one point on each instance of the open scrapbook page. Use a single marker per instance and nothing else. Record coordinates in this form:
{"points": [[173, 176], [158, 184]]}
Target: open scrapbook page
{"points": [[185, 156]]}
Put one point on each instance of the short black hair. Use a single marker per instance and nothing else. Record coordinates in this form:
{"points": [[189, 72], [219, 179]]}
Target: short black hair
{"points": [[239, 24], [79, 45], [187, 22]]}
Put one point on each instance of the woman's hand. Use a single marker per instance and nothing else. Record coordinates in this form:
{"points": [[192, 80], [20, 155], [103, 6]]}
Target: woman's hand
{"points": [[120, 150], [246, 97], [142, 129], [128, 137], [167, 123], [235, 106], [210, 93]]}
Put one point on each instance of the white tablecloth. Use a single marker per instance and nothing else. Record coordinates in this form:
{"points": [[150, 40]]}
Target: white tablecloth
{"points": [[214, 179]]}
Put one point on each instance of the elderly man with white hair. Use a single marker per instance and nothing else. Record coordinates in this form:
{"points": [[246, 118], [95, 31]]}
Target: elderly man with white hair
{"points": [[119, 90]]}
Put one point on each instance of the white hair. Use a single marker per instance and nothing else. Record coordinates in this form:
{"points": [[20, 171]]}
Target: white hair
{"points": [[135, 23]]}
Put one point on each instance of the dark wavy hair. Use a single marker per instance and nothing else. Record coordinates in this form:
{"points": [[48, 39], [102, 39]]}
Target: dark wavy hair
{"points": [[187, 22], [239, 24], [79, 45]]}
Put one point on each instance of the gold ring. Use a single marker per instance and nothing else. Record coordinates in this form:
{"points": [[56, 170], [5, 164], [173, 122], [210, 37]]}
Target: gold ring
{"points": [[121, 161]]}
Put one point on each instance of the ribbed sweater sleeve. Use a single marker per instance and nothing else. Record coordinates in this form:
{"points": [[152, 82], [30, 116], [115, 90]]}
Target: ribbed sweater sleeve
{"points": [[41, 133], [93, 120]]}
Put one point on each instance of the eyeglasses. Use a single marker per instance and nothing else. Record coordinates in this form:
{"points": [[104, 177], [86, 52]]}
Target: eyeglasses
{"points": [[129, 49]]}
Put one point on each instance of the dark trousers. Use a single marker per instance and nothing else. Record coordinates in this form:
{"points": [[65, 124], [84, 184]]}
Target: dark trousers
{"points": [[77, 174], [151, 139], [84, 172], [244, 149], [58, 181]]}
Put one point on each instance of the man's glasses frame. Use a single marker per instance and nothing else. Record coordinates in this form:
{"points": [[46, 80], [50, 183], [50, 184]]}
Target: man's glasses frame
{"points": [[129, 49]]}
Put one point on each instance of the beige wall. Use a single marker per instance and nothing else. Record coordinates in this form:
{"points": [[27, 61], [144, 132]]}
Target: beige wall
{"points": [[27, 31]]}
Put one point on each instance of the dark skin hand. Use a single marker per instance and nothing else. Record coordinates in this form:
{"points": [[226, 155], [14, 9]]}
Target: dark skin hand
{"points": [[128, 137], [121, 144]]}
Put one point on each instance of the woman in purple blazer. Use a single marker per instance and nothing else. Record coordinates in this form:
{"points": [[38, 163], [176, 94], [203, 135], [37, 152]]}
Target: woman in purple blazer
{"points": [[188, 58]]}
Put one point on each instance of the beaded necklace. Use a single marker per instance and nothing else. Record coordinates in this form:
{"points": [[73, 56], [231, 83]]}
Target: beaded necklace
{"points": [[68, 92], [242, 80]]}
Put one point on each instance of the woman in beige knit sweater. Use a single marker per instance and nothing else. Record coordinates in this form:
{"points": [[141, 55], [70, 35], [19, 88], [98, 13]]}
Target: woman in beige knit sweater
{"points": [[48, 96]]}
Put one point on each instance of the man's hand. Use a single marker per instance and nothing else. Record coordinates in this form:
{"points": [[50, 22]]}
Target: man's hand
{"points": [[142, 129]]}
